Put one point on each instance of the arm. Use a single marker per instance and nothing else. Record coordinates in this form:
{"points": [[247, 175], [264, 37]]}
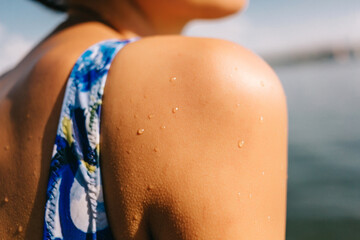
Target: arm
{"points": [[219, 171]]}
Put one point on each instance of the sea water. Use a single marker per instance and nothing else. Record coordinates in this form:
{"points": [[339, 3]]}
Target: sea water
{"points": [[324, 149]]}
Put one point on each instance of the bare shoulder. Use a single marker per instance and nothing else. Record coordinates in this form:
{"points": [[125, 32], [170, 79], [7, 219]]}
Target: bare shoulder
{"points": [[196, 137], [208, 61]]}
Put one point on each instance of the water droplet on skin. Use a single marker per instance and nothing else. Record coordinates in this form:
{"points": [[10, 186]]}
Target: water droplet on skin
{"points": [[261, 119], [262, 83], [6, 147], [135, 116], [238, 105], [163, 127], [269, 218], [6, 200], [140, 131], [128, 151], [20, 229], [241, 143], [250, 195], [239, 193], [135, 218], [263, 173], [173, 79], [175, 109], [156, 149], [150, 116], [231, 75], [149, 187]]}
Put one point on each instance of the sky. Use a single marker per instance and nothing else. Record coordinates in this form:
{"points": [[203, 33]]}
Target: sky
{"points": [[266, 27]]}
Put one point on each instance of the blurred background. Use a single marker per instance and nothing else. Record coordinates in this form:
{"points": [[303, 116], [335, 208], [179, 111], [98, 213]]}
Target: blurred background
{"points": [[314, 47]]}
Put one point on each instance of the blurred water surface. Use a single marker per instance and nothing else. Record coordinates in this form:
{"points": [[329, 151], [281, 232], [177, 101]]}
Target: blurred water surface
{"points": [[324, 149]]}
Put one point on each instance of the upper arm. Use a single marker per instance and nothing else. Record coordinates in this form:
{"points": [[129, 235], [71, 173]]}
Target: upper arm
{"points": [[218, 168]]}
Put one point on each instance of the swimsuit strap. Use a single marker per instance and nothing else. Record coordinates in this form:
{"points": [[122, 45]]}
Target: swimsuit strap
{"points": [[74, 199]]}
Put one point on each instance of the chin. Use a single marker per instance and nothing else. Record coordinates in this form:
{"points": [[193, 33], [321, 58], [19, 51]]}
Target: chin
{"points": [[221, 8]]}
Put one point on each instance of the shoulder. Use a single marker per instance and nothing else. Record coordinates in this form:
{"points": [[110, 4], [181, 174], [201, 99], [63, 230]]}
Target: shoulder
{"points": [[205, 70], [212, 62], [211, 151], [207, 53]]}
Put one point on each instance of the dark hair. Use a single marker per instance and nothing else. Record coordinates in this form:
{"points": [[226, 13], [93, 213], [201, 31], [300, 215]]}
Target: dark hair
{"points": [[55, 5]]}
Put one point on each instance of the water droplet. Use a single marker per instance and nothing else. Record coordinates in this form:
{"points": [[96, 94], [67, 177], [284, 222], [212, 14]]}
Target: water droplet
{"points": [[263, 173], [135, 217], [238, 105], [150, 116], [231, 75], [175, 109], [7, 147], [156, 149], [261, 119], [6, 200], [241, 143], [140, 131], [128, 151], [150, 187], [262, 83], [250, 195], [269, 218], [20, 229], [173, 79], [163, 127], [135, 116], [239, 193]]}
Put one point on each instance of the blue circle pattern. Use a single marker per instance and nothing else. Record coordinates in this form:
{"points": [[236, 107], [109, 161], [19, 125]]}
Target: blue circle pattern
{"points": [[74, 199]]}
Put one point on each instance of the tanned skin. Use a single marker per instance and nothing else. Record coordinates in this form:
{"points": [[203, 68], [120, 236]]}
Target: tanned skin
{"points": [[212, 160]]}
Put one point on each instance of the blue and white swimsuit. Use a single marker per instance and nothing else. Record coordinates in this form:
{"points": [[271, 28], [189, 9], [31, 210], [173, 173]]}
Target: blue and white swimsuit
{"points": [[74, 200]]}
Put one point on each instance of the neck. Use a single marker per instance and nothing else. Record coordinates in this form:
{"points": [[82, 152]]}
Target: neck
{"points": [[125, 17]]}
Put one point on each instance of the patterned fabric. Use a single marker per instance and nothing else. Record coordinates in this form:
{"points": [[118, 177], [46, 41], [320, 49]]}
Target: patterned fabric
{"points": [[74, 201]]}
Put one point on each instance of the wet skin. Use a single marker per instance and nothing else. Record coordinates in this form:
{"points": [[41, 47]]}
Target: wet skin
{"points": [[193, 138]]}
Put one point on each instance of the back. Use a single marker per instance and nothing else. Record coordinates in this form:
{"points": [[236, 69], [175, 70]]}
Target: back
{"points": [[193, 139], [31, 96]]}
